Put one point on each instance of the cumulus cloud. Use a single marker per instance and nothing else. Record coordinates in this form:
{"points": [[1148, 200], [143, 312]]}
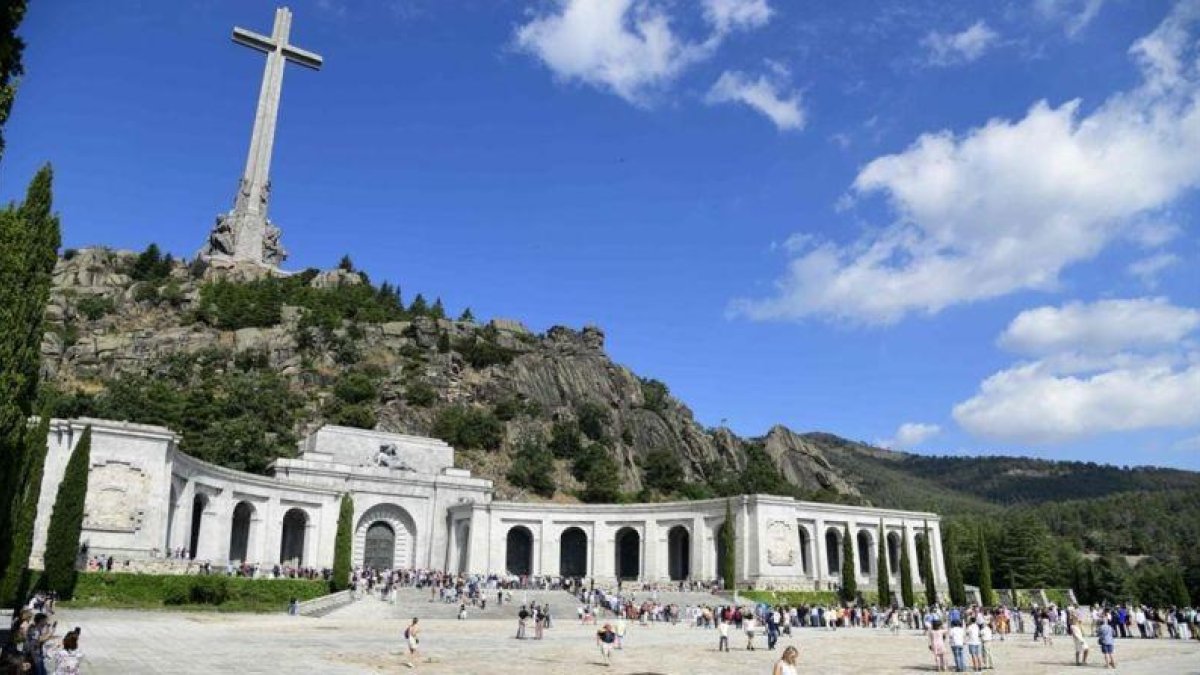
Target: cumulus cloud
{"points": [[1007, 206], [1074, 15], [764, 94], [947, 49], [628, 47], [911, 434], [1111, 365], [1103, 327]]}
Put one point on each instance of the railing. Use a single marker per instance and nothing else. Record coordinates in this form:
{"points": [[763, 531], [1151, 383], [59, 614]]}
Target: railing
{"points": [[325, 604]]}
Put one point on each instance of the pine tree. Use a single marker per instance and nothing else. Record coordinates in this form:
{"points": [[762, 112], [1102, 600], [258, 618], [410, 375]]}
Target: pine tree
{"points": [[340, 579], [727, 537], [906, 582], [418, 307], [928, 577], [438, 310], [1178, 589], [11, 48], [29, 240], [881, 567], [66, 520], [987, 597], [467, 316], [346, 264], [954, 577], [849, 589]]}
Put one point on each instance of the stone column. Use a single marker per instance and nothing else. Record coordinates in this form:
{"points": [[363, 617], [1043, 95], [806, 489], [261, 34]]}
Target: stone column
{"points": [[820, 571], [915, 566], [604, 563], [273, 539], [653, 548], [699, 562], [935, 552]]}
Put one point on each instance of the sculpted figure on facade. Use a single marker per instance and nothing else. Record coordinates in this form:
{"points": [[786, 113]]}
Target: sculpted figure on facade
{"points": [[781, 543]]}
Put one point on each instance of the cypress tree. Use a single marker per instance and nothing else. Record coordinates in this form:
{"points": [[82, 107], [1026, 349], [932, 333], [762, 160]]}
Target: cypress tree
{"points": [[66, 520], [987, 597], [928, 577], [467, 316], [29, 240], [728, 536], [12, 584], [954, 577], [438, 310], [881, 567], [1178, 591], [906, 584], [849, 590], [340, 579]]}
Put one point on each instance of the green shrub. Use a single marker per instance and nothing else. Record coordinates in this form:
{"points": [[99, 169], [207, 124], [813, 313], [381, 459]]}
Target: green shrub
{"points": [[355, 388], [792, 598], [94, 306], [565, 441], [481, 352], [533, 468], [468, 427], [655, 394], [593, 418], [420, 394], [149, 591], [146, 292]]}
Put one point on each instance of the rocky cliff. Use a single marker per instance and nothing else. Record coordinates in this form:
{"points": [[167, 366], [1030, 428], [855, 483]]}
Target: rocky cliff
{"points": [[115, 314]]}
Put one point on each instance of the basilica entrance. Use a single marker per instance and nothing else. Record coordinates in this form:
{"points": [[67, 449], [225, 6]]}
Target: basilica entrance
{"points": [[379, 548]]}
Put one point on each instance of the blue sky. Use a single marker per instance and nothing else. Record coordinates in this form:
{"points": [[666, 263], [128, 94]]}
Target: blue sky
{"points": [[949, 227]]}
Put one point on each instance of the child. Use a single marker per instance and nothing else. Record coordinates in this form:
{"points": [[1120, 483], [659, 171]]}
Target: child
{"points": [[605, 637]]}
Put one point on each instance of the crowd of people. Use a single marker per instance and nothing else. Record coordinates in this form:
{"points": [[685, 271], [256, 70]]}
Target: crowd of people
{"points": [[35, 646]]}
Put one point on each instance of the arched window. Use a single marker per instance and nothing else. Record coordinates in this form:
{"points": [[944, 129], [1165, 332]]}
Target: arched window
{"points": [[239, 531], [572, 553], [804, 544], [864, 552], [893, 545], [518, 556], [833, 551], [678, 553], [629, 553], [291, 544], [199, 503]]}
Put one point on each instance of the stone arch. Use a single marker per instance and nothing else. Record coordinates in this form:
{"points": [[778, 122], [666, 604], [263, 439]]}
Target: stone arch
{"points": [[833, 551], [199, 503], [239, 531], [805, 543], [573, 552], [518, 551], [865, 549], [628, 563], [292, 539], [404, 531], [893, 552], [679, 549]]}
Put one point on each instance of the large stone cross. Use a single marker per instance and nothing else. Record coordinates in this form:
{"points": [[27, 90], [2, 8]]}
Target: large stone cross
{"points": [[245, 233]]}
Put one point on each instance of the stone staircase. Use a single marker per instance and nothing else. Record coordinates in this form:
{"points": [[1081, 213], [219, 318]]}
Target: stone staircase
{"points": [[412, 602]]}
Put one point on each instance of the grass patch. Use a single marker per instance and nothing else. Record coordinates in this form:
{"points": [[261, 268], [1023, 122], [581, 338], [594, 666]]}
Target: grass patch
{"points": [[173, 591]]}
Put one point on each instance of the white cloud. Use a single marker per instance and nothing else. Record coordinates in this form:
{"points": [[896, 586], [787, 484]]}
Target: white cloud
{"points": [[911, 434], [727, 15], [1075, 15], [1111, 365], [1032, 403], [1007, 206], [1149, 268], [628, 46], [946, 49], [1103, 327], [762, 94]]}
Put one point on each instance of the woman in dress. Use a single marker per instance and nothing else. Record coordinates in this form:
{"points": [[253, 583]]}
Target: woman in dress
{"points": [[937, 645], [786, 665]]}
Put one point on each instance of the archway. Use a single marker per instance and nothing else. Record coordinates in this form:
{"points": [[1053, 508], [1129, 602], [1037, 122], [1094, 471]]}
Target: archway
{"points": [[379, 546], [920, 541], [199, 503], [403, 540], [572, 553], [629, 553], [518, 556], [291, 544], [804, 543], [833, 551], [893, 547], [864, 552], [679, 544], [239, 531]]}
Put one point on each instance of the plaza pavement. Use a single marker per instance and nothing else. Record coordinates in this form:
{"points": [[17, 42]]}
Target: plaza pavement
{"points": [[366, 638]]}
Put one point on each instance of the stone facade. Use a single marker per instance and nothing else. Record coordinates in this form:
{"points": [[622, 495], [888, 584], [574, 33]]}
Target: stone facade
{"points": [[413, 508]]}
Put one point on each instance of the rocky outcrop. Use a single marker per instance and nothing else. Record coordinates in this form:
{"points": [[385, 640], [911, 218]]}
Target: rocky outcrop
{"points": [[553, 376]]}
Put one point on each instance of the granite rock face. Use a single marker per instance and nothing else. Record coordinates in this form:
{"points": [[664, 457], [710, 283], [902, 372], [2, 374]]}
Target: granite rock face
{"points": [[553, 375]]}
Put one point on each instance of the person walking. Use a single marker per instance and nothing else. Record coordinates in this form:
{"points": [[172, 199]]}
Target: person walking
{"points": [[1107, 643], [1081, 648], [620, 629], [522, 617], [605, 638], [786, 665], [411, 637]]}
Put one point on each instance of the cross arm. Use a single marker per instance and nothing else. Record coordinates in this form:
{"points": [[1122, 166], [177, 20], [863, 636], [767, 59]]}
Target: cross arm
{"points": [[253, 40], [302, 57]]}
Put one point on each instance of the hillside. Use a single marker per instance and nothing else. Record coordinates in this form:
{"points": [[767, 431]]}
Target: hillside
{"points": [[242, 363]]}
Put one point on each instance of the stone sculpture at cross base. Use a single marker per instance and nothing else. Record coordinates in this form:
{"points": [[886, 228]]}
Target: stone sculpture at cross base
{"points": [[245, 234]]}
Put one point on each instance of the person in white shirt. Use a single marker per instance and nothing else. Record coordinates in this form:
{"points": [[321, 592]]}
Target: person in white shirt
{"points": [[723, 632], [974, 646], [1081, 648], [748, 625], [958, 638], [985, 637]]}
